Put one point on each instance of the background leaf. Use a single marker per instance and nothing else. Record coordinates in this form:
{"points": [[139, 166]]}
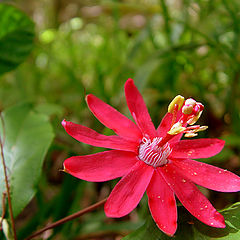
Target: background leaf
{"points": [[27, 138], [232, 230], [150, 230], [16, 37], [195, 231]]}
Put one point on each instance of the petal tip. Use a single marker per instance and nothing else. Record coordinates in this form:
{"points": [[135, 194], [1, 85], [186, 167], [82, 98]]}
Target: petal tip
{"points": [[218, 221], [88, 97], [129, 81], [110, 214], [168, 230], [64, 123]]}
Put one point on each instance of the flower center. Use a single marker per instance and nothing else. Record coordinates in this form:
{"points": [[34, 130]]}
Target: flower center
{"points": [[152, 154]]}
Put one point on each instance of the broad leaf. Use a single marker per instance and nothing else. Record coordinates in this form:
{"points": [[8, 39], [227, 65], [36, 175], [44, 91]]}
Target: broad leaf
{"points": [[16, 37], [150, 230], [189, 228], [28, 136], [232, 230]]}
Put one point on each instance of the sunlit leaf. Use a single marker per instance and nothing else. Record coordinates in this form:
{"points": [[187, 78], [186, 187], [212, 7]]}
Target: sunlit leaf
{"points": [[27, 138]]}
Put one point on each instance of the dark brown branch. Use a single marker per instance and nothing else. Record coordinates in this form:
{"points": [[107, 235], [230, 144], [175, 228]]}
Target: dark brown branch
{"points": [[68, 218], [6, 182]]}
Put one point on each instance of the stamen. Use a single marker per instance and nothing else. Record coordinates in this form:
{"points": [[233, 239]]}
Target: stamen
{"points": [[194, 118], [190, 113], [193, 130], [190, 101], [176, 129], [187, 109], [190, 134], [179, 100], [152, 154]]}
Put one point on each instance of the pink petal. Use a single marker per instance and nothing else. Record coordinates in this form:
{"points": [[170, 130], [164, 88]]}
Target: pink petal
{"points": [[191, 198], [165, 125], [162, 204], [197, 148], [89, 136], [113, 119], [138, 109], [128, 192], [101, 166], [209, 176]]}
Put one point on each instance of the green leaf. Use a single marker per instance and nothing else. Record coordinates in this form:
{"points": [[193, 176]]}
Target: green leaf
{"points": [[28, 136], [150, 230], [144, 73], [50, 109], [232, 230], [189, 228], [16, 37]]}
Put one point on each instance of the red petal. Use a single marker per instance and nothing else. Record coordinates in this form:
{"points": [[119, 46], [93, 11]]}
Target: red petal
{"points": [[138, 109], [165, 125], [89, 136], [101, 166], [162, 204], [197, 148], [128, 192], [113, 119], [191, 198], [209, 176]]}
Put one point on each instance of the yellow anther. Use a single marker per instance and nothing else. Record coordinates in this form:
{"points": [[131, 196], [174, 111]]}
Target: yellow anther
{"points": [[179, 100], [202, 128], [190, 134], [194, 119], [176, 129], [187, 109]]}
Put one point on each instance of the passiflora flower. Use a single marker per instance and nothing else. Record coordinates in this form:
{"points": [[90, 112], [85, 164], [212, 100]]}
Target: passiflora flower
{"points": [[153, 160]]}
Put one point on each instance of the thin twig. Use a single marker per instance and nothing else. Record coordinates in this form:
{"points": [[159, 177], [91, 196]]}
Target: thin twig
{"points": [[7, 183], [68, 218]]}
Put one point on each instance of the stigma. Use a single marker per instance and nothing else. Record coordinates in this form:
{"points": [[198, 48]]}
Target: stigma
{"points": [[152, 154]]}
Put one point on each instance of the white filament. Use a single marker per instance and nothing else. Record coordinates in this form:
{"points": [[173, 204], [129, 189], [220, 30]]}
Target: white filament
{"points": [[152, 154]]}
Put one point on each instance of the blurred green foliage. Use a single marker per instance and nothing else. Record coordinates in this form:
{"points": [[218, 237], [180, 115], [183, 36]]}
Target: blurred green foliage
{"points": [[168, 47]]}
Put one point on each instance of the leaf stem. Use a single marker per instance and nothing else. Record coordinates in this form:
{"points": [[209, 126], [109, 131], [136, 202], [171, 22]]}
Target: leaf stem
{"points": [[68, 218], [7, 183]]}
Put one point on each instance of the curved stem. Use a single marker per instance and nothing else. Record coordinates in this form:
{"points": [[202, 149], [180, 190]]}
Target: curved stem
{"points": [[6, 181], [68, 218]]}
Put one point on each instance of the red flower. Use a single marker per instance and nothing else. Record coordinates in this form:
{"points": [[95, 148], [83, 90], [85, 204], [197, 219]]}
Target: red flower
{"points": [[151, 160]]}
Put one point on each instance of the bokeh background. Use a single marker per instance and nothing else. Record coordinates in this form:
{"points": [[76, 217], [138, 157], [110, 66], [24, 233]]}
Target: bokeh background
{"points": [[168, 47]]}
